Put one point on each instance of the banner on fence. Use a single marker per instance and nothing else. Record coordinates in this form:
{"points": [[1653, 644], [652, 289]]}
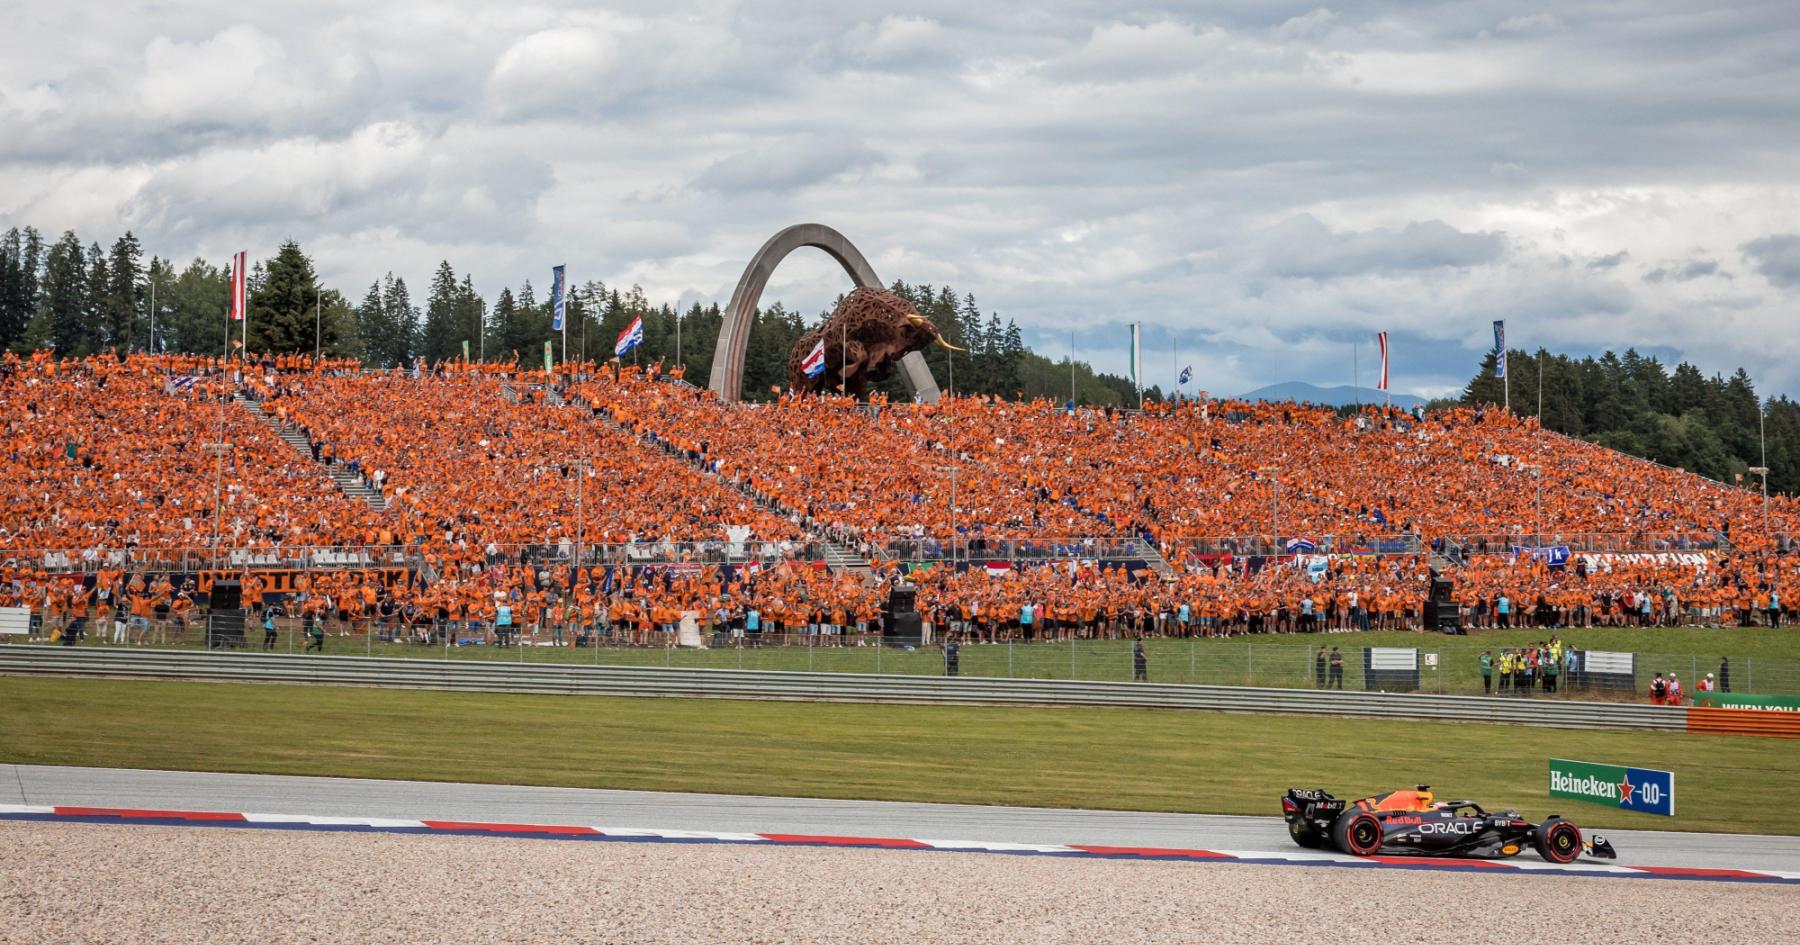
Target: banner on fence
{"points": [[15, 621], [1390, 668], [1740, 700], [1606, 670], [1645, 790]]}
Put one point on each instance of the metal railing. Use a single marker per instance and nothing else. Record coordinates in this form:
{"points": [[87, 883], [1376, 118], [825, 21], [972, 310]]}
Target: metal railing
{"points": [[839, 687], [1449, 665], [1262, 545], [303, 557]]}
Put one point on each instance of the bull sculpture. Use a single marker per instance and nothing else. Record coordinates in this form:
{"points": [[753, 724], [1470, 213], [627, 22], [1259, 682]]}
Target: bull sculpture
{"points": [[869, 331]]}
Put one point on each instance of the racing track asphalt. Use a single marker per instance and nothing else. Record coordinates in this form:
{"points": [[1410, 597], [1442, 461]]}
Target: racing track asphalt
{"points": [[343, 797]]}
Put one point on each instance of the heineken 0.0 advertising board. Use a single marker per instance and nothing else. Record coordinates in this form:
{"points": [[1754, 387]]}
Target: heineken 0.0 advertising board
{"points": [[1644, 790]]}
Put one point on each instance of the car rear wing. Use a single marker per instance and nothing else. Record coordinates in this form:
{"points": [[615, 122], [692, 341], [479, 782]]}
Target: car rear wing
{"points": [[1311, 804]]}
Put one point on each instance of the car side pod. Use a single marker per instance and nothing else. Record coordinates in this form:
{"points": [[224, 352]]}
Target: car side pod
{"points": [[1599, 848]]}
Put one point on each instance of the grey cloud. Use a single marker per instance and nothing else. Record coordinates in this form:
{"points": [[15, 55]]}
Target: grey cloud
{"points": [[1777, 258], [1429, 167], [786, 164], [1306, 248], [1686, 272]]}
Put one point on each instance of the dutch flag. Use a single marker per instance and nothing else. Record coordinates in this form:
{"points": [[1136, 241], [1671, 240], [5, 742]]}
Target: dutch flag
{"points": [[1300, 546], [631, 337], [814, 365]]}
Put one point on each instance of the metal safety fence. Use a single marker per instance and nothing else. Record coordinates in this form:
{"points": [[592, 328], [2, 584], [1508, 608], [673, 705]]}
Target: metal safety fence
{"points": [[845, 687], [1445, 665]]}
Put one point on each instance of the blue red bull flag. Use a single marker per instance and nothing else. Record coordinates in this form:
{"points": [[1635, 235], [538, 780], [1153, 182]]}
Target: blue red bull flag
{"points": [[558, 298], [814, 365], [631, 337], [1499, 349]]}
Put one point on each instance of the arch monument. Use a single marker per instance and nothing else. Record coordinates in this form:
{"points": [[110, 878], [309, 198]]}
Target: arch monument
{"points": [[734, 337]]}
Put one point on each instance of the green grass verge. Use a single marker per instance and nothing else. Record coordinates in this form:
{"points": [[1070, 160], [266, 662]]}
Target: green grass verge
{"points": [[1763, 660], [1128, 759]]}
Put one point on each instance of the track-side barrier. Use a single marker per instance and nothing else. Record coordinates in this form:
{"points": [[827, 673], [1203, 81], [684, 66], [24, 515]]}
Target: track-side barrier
{"points": [[830, 687], [1743, 722]]}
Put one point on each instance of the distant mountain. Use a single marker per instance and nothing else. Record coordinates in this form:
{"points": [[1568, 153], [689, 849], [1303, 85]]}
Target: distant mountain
{"points": [[1340, 396]]}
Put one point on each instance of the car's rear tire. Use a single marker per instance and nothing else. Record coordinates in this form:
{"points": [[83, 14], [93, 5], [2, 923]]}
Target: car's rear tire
{"points": [[1305, 834], [1357, 833], [1557, 841]]}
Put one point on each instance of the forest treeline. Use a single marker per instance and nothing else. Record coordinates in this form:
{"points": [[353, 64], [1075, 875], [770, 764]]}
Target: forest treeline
{"points": [[81, 300], [86, 299], [1716, 426]]}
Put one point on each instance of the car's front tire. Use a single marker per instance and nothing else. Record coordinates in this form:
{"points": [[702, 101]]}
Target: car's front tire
{"points": [[1357, 833], [1305, 834], [1557, 841]]}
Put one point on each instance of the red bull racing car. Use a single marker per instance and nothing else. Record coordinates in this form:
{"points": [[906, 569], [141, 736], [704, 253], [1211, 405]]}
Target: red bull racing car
{"points": [[1416, 822]]}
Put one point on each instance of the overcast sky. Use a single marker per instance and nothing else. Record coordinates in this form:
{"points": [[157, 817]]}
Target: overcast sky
{"points": [[1260, 183]]}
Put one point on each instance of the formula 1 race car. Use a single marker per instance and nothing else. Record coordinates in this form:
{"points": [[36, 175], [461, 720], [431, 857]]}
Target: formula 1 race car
{"points": [[1416, 822]]}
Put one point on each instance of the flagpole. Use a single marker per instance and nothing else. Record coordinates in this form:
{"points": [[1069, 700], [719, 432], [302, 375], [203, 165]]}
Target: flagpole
{"points": [[1071, 369], [1175, 364], [1387, 387], [1356, 373]]}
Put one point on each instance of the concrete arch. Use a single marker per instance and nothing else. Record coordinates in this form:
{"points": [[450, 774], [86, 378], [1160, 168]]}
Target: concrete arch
{"points": [[734, 337]]}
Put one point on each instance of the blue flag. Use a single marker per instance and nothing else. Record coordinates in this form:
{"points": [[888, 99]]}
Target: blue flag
{"points": [[558, 298], [1499, 349], [1187, 374]]}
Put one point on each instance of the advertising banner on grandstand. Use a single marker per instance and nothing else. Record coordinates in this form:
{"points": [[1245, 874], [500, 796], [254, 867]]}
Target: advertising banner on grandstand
{"points": [[1555, 556], [1741, 700], [1390, 668], [1644, 790]]}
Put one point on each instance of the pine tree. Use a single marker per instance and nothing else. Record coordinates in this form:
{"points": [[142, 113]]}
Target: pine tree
{"points": [[439, 340], [500, 326], [402, 317], [380, 334], [197, 304], [65, 297], [96, 287], [287, 305], [471, 319], [123, 299]]}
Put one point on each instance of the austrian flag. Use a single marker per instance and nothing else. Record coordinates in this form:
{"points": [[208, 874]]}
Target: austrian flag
{"points": [[814, 365]]}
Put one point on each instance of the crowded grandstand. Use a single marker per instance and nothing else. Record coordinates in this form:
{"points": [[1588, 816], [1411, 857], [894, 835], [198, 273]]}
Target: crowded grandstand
{"points": [[605, 502]]}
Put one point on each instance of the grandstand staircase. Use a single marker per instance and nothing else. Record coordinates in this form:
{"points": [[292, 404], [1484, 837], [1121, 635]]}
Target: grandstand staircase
{"points": [[841, 559], [1154, 557], [348, 482]]}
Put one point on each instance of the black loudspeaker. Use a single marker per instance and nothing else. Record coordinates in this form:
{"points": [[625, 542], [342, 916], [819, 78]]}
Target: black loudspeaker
{"points": [[225, 620], [1441, 610], [906, 629], [902, 599], [226, 595]]}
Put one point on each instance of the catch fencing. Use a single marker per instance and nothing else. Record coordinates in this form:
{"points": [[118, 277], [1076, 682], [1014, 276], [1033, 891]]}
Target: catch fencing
{"points": [[1448, 665], [487, 676]]}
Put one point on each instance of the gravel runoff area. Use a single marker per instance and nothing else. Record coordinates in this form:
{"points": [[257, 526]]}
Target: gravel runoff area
{"points": [[140, 884]]}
